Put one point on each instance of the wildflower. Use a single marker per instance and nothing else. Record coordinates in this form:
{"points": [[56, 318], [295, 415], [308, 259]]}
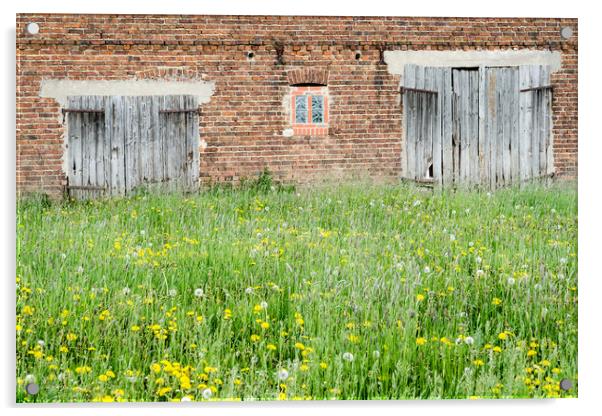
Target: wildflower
{"points": [[496, 301], [502, 335], [265, 325], [420, 297], [420, 341], [469, 340], [347, 356], [497, 349], [172, 292], [163, 391], [304, 367], [155, 368], [511, 281], [103, 378], [480, 273], [27, 310], [249, 290], [135, 328], [255, 338], [263, 304], [531, 353], [227, 314], [282, 374], [30, 378], [271, 347], [323, 365], [452, 237], [478, 363], [199, 292], [376, 354], [299, 346], [126, 291], [71, 336], [41, 343], [185, 399], [427, 269]]}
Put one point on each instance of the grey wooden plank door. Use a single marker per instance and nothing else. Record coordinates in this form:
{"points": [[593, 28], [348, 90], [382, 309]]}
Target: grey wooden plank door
{"points": [[465, 126], [486, 126], [425, 138], [117, 144]]}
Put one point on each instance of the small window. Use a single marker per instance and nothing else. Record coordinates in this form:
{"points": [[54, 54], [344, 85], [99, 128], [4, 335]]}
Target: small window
{"points": [[310, 110]]}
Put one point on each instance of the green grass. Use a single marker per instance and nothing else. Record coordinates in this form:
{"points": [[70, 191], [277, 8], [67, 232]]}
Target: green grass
{"points": [[403, 279]]}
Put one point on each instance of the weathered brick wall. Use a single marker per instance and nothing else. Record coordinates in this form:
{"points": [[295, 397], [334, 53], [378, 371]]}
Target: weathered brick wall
{"points": [[243, 123]]}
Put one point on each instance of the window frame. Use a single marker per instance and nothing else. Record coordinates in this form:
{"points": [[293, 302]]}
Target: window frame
{"points": [[309, 127]]}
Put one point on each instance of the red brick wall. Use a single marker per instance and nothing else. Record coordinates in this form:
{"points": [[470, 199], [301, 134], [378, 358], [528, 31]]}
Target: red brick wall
{"points": [[244, 121]]}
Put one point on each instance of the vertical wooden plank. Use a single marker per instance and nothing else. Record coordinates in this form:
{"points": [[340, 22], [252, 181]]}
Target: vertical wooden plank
{"points": [[447, 127], [474, 127], [118, 156], [144, 139], [543, 122], [493, 125], [411, 120], [75, 144], [514, 126], [482, 148], [506, 104], [437, 131], [196, 136], [534, 70], [427, 157], [525, 124], [422, 120], [456, 126]]}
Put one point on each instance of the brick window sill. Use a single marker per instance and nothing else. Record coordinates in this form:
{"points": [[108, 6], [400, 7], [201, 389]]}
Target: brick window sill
{"points": [[317, 130]]}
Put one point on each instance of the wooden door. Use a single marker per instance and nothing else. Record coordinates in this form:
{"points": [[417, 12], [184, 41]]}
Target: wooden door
{"points": [[117, 144]]}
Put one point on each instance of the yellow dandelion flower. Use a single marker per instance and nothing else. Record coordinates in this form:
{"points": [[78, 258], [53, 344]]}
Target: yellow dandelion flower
{"points": [[135, 328], [420, 297], [271, 347], [27, 310], [420, 341], [265, 325], [255, 338], [299, 346], [323, 365], [478, 363], [71, 336], [531, 353], [496, 301], [304, 367], [103, 378], [497, 349], [502, 335]]}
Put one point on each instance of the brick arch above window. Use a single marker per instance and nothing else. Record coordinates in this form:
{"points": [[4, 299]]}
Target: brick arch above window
{"points": [[308, 76]]}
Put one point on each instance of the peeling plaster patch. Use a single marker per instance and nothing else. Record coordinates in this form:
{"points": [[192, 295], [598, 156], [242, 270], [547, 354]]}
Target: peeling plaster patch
{"points": [[60, 89], [288, 132], [396, 60]]}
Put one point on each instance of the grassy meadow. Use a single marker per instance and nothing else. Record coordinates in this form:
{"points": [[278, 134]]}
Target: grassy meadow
{"points": [[267, 292]]}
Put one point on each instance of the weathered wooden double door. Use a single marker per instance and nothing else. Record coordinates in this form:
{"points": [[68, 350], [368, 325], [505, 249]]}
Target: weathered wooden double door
{"points": [[487, 126], [117, 143]]}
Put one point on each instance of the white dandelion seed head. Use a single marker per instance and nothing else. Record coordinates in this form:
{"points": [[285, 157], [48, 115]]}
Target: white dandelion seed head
{"points": [[142, 232], [249, 290], [185, 399], [469, 340], [60, 376], [427, 269], [275, 287], [452, 237], [172, 292], [467, 210], [126, 291], [511, 281], [462, 314], [207, 393], [132, 379], [63, 256], [563, 260], [263, 304], [41, 342], [347, 356], [458, 341], [30, 378], [480, 273], [254, 359], [376, 354], [489, 194], [417, 203], [478, 260], [198, 292], [470, 244], [282, 374], [80, 269]]}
